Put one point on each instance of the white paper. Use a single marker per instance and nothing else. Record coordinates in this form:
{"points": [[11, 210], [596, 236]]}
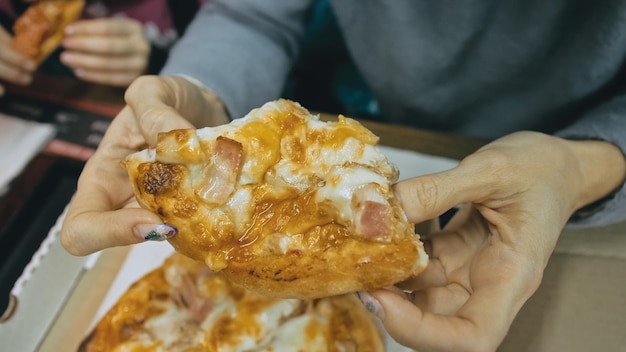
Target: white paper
{"points": [[20, 141]]}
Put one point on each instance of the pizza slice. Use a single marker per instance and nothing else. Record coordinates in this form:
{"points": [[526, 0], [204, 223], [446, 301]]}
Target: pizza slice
{"points": [[184, 306], [282, 203], [40, 30]]}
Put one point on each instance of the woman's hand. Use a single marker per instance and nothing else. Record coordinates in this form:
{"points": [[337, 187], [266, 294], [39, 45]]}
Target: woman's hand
{"points": [[103, 212], [14, 67], [518, 192], [111, 51]]}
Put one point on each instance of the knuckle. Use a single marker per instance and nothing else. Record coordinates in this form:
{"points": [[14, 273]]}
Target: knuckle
{"points": [[427, 193], [496, 167], [69, 241], [135, 90], [150, 121]]}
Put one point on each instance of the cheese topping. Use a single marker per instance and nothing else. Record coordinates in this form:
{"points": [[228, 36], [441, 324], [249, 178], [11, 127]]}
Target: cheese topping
{"points": [[274, 186], [160, 313]]}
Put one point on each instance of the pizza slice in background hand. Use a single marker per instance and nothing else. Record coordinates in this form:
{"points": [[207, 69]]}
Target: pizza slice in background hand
{"points": [[40, 30], [281, 202]]}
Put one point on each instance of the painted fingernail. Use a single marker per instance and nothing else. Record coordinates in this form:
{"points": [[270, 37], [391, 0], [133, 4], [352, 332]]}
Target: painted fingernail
{"points": [[155, 232], [66, 58], [28, 65], [371, 304], [25, 78]]}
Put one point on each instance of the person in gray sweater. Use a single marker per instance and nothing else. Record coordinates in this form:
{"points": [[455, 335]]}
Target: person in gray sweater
{"points": [[542, 80]]}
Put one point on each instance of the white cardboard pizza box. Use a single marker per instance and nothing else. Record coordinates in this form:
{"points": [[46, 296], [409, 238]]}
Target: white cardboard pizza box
{"points": [[40, 292]]}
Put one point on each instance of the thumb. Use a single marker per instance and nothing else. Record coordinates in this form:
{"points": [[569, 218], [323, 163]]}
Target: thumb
{"points": [[427, 197], [153, 101]]}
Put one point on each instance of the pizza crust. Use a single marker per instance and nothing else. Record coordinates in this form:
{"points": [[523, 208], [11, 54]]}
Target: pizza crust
{"points": [[281, 202]]}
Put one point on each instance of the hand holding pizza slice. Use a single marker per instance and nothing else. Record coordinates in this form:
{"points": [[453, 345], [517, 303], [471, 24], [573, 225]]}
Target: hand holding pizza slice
{"points": [[281, 202]]}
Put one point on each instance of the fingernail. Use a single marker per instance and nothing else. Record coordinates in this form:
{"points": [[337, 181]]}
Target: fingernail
{"points": [[66, 58], [155, 232], [28, 65], [371, 304], [25, 79], [69, 30], [67, 43]]}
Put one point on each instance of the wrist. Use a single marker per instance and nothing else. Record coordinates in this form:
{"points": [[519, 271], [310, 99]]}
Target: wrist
{"points": [[601, 170]]}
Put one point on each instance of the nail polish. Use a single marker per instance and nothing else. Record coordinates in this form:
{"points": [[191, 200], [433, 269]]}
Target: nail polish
{"points": [[157, 232], [371, 304]]}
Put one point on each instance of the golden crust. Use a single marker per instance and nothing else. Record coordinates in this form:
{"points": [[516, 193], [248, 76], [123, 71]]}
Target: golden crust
{"points": [[341, 321], [284, 230]]}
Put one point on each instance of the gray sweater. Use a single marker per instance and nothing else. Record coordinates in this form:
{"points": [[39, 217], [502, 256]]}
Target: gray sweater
{"points": [[479, 68]]}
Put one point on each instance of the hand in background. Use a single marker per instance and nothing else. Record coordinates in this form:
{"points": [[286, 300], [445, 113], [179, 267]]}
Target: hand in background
{"points": [[518, 192], [14, 67], [110, 51], [103, 212]]}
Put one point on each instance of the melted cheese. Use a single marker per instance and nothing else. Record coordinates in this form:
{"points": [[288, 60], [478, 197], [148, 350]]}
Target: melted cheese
{"points": [[275, 185], [284, 157]]}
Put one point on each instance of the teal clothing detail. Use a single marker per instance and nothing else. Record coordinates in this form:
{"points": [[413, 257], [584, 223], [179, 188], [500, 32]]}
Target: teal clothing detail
{"points": [[475, 68]]}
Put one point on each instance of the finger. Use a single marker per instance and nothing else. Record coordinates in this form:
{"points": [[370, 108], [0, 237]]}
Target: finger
{"points": [[452, 253], [94, 220], [14, 74], [104, 27], [446, 300], [433, 276], [107, 45], [427, 197], [480, 324], [104, 63], [115, 79], [152, 100], [89, 232]]}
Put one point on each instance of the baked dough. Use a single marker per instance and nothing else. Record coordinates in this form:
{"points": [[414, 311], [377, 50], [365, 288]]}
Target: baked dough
{"points": [[281, 202]]}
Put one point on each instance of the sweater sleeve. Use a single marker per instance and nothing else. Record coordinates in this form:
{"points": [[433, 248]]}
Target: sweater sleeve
{"points": [[606, 123], [242, 50]]}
